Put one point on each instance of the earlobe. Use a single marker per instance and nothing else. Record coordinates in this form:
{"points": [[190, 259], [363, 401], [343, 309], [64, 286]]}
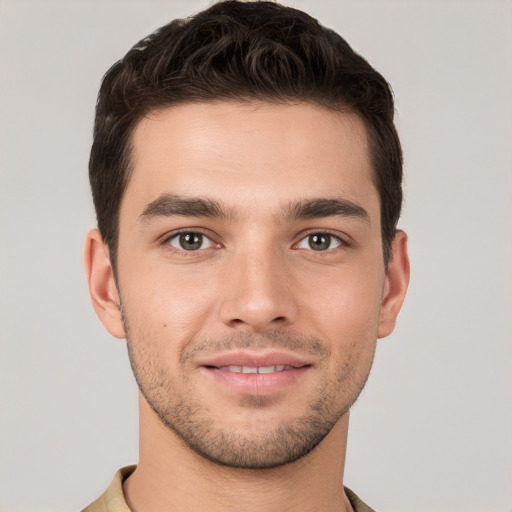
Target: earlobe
{"points": [[102, 286], [397, 280]]}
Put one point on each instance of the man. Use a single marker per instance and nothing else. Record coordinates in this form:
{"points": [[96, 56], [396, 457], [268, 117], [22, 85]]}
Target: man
{"points": [[246, 175]]}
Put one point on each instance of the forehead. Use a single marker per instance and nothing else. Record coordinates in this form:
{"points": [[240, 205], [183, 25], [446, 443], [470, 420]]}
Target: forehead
{"points": [[249, 154]]}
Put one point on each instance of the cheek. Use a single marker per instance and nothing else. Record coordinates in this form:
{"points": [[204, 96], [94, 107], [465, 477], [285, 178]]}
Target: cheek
{"points": [[167, 304], [347, 307], [350, 328]]}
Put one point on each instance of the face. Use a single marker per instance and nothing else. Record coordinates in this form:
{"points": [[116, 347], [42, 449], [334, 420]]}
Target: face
{"points": [[251, 275]]}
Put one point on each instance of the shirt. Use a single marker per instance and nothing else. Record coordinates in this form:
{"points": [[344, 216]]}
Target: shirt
{"points": [[112, 500]]}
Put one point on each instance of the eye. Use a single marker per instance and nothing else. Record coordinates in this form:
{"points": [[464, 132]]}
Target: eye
{"points": [[319, 242], [190, 241]]}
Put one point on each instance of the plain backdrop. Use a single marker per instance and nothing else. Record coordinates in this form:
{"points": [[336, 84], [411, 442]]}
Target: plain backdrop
{"points": [[432, 432]]}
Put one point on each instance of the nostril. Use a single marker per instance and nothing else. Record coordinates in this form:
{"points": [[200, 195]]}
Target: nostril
{"points": [[278, 320]]}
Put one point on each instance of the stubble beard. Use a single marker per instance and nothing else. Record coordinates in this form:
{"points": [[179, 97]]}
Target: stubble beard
{"points": [[262, 448]]}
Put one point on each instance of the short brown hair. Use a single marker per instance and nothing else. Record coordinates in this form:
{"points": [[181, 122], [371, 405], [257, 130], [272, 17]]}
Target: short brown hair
{"points": [[240, 51]]}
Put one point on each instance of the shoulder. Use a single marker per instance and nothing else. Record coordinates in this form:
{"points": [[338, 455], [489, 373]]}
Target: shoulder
{"points": [[357, 503], [112, 500]]}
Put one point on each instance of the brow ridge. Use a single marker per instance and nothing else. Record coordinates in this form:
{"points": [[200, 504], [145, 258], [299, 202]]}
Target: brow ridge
{"points": [[324, 207], [168, 205]]}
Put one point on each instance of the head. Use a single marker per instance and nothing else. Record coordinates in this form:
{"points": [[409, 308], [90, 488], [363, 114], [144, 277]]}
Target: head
{"points": [[246, 175], [242, 51]]}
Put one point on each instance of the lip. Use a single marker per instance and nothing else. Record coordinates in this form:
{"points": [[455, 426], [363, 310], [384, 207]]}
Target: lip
{"points": [[255, 359], [261, 384]]}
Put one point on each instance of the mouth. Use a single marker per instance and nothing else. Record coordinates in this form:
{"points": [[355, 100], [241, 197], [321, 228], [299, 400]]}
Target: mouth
{"points": [[255, 369], [256, 374]]}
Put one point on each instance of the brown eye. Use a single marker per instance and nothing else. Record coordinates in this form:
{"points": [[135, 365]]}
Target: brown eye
{"points": [[190, 241], [319, 242]]}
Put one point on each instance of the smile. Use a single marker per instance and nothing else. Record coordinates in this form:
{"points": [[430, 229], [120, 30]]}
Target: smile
{"points": [[255, 369], [255, 377]]}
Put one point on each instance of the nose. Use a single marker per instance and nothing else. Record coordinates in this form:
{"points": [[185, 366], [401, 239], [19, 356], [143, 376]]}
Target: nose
{"points": [[259, 292]]}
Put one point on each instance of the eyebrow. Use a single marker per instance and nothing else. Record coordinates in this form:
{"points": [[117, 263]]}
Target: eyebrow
{"points": [[169, 205], [318, 208]]}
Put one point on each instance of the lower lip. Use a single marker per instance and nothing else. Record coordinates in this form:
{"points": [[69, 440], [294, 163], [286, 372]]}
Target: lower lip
{"points": [[257, 383]]}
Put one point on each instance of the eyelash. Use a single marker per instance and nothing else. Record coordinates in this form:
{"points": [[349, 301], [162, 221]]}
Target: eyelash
{"points": [[166, 241], [342, 243]]}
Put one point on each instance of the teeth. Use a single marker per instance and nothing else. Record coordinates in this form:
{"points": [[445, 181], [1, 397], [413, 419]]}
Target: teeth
{"points": [[266, 369], [255, 369]]}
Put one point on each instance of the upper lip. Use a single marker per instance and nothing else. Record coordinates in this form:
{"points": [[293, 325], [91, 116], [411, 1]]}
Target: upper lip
{"points": [[254, 359]]}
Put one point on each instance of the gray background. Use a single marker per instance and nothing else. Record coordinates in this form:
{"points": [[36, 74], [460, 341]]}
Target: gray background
{"points": [[433, 429]]}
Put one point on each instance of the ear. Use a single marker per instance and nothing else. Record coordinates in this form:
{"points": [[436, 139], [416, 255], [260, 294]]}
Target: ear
{"points": [[102, 287], [397, 280]]}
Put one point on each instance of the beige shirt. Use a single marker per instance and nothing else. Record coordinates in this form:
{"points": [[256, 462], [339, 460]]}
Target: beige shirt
{"points": [[112, 500]]}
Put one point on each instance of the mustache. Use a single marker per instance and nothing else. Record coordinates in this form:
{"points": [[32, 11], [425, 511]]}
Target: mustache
{"points": [[276, 338]]}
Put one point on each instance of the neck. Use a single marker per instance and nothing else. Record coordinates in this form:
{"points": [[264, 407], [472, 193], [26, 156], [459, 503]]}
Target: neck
{"points": [[170, 475]]}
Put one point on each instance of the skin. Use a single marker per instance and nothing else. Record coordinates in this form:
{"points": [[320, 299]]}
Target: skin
{"points": [[255, 286]]}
